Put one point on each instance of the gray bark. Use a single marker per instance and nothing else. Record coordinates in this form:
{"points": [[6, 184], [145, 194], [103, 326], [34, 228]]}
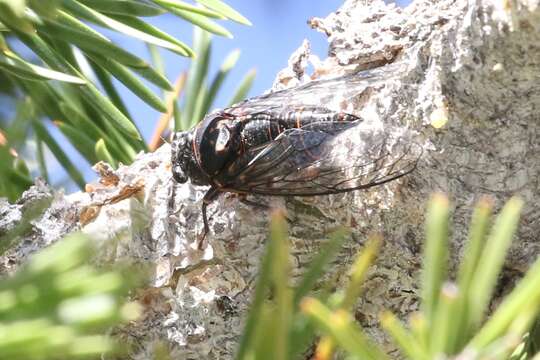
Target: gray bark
{"points": [[472, 63]]}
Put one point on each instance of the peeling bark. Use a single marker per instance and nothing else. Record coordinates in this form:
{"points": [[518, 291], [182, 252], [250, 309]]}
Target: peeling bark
{"points": [[470, 65]]}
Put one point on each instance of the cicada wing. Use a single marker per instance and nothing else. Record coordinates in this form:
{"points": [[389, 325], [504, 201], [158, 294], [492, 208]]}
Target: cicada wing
{"points": [[315, 161], [325, 91]]}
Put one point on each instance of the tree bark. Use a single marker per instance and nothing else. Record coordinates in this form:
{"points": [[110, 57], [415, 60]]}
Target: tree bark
{"points": [[467, 90]]}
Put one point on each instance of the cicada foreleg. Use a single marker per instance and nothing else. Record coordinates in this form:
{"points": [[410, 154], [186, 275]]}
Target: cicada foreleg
{"points": [[210, 196]]}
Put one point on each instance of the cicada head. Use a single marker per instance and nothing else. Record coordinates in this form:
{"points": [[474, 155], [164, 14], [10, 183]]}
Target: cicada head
{"points": [[183, 160]]}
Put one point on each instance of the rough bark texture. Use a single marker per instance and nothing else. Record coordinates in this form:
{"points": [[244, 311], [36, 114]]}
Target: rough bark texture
{"points": [[472, 63]]}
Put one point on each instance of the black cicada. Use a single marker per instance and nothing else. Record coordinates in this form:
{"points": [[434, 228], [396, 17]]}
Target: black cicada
{"points": [[291, 143]]}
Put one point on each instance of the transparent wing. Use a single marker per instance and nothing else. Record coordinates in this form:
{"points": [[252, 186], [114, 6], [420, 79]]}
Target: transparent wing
{"points": [[328, 92], [323, 159]]}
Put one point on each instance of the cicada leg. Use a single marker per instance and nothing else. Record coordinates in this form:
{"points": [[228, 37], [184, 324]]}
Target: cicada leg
{"points": [[263, 206], [210, 196], [244, 200]]}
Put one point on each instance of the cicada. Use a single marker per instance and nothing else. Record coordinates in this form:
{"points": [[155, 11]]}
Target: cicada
{"points": [[293, 142]]}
